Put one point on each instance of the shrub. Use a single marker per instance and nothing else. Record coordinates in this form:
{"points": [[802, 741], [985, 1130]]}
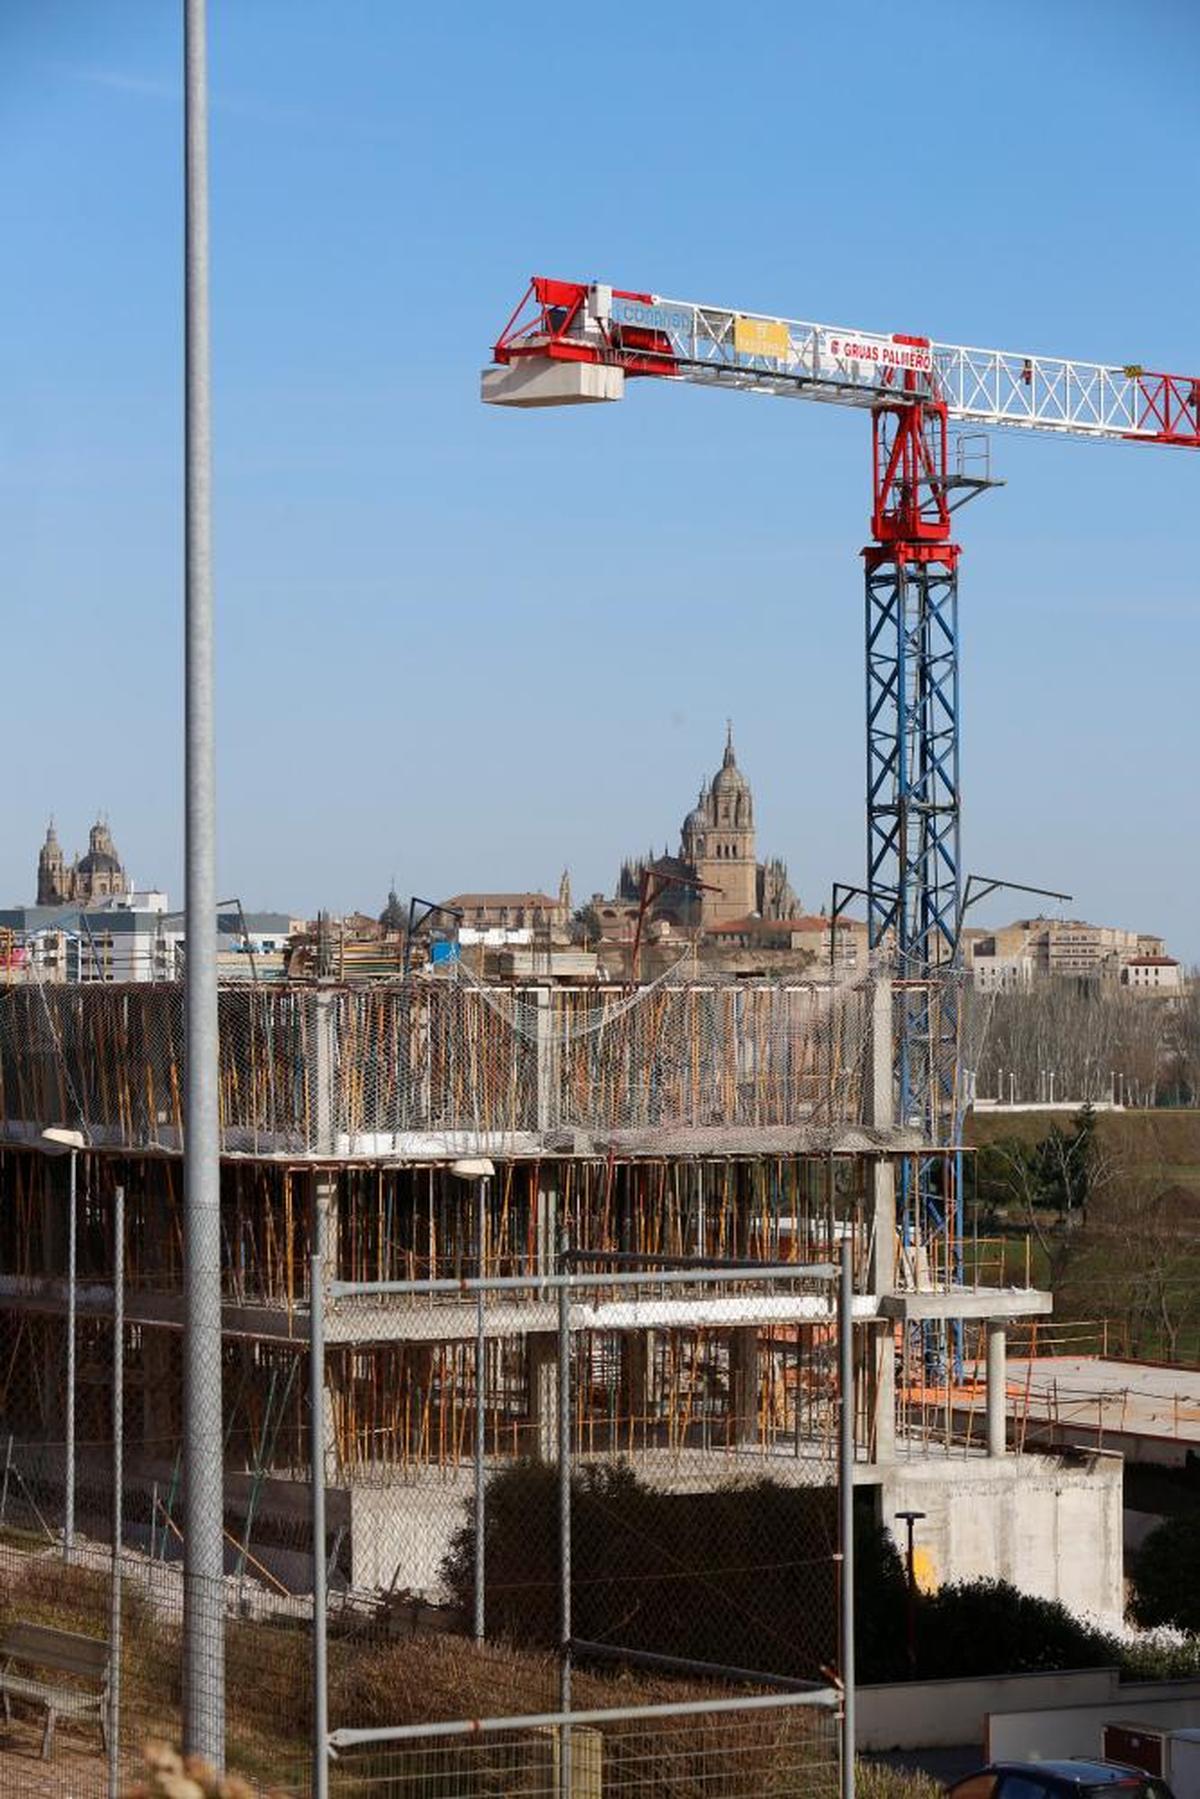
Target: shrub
{"points": [[1166, 1575], [742, 1575], [987, 1627]]}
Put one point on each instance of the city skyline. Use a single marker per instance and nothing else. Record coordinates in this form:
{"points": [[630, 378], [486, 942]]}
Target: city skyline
{"points": [[511, 643]]}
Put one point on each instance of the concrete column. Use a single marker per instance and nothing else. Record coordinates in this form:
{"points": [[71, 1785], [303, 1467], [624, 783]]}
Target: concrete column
{"points": [[997, 1378], [635, 1383], [882, 1337], [880, 1092], [880, 1108], [546, 1223], [324, 1073], [541, 1348], [160, 1427], [743, 1383], [547, 1061]]}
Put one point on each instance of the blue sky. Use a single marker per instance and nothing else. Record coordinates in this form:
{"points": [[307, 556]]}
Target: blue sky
{"points": [[463, 647]]}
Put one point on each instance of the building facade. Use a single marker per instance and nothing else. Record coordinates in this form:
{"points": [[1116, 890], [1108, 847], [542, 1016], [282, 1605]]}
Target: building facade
{"points": [[1017, 955], [716, 880], [86, 880]]}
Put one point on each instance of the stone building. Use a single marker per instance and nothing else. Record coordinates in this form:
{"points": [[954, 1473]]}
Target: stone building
{"points": [[85, 881], [718, 848]]}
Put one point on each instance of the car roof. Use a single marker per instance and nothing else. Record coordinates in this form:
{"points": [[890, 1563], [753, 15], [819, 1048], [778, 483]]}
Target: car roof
{"points": [[1078, 1771]]}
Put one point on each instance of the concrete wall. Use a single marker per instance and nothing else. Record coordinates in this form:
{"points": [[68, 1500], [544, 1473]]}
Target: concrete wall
{"points": [[1051, 1525], [399, 1533], [1056, 1730], [943, 1714]]}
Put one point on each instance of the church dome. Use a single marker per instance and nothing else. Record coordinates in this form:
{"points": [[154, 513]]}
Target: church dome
{"points": [[695, 821], [99, 862]]}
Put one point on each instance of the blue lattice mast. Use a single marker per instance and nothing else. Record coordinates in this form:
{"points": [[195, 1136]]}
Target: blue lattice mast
{"points": [[914, 890]]}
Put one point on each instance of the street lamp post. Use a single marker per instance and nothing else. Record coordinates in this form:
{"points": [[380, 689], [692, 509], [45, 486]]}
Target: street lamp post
{"points": [[60, 1140], [480, 1171], [910, 1568]]}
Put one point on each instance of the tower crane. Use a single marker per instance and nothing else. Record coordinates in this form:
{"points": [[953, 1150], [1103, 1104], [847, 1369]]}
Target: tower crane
{"points": [[572, 342]]}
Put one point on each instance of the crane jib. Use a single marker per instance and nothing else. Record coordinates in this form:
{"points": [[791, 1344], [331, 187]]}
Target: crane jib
{"points": [[647, 334]]}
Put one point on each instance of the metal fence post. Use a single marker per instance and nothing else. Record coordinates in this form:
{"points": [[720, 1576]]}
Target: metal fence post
{"points": [[564, 1512], [203, 1565], [69, 1497], [480, 1421], [316, 1401], [118, 1476], [846, 1509]]}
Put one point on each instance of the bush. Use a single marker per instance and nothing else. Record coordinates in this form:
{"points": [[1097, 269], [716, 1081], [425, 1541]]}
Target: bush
{"points": [[743, 1575], [987, 1627], [1166, 1575]]}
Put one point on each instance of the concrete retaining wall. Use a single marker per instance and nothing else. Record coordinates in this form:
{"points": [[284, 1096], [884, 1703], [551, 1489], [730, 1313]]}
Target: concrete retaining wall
{"points": [[1054, 1730], [1051, 1525], [942, 1714]]}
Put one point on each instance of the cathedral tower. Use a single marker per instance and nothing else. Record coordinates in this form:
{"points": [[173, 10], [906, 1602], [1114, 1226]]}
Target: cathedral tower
{"points": [[52, 871], [718, 842]]}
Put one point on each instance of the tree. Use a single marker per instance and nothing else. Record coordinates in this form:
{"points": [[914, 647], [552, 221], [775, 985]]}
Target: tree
{"points": [[587, 928], [1166, 1575]]}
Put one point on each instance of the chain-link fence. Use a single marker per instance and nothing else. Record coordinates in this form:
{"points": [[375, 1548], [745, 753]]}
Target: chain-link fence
{"points": [[618, 1571], [652, 1609], [696, 1390]]}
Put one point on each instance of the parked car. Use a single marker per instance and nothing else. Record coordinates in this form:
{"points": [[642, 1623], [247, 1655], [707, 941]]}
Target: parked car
{"points": [[1074, 1779]]}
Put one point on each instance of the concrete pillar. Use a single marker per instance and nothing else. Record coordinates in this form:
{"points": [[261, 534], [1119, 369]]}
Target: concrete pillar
{"points": [[882, 1337], [880, 1109], [160, 1423], [324, 1073], [743, 1383], [541, 1349], [547, 1063], [635, 1385], [880, 1094], [997, 1379], [546, 1223]]}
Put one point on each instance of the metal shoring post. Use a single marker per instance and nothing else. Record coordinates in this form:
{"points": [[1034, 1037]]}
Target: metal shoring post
{"points": [[846, 1511], [118, 1475], [564, 1512], [316, 1419], [480, 1415], [203, 1584]]}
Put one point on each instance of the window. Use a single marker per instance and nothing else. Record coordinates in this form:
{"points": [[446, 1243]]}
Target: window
{"points": [[976, 1786], [1024, 1786]]}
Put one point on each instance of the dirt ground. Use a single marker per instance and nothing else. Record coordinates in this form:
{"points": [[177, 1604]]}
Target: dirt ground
{"points": [[77, 1768]]}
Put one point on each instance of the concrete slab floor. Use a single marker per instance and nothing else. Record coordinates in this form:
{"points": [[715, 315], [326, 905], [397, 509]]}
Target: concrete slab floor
{"points": [[1093, 1392]]}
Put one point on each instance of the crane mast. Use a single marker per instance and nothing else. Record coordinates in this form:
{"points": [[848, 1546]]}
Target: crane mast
{"points": [[573, 342]]}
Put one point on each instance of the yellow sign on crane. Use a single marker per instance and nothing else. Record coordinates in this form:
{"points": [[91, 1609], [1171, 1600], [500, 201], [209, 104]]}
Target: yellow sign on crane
{"points": [[762, 337]]}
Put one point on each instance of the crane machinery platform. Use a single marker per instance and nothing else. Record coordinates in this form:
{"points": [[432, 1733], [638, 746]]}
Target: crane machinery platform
{"points": [[571, 343]]}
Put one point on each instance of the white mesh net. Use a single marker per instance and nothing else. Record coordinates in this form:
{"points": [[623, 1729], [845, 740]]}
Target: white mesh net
{"points": [[430, 1066]]}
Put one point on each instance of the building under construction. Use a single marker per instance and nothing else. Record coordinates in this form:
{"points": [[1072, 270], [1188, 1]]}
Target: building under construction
{"points": [[717, 1120]]}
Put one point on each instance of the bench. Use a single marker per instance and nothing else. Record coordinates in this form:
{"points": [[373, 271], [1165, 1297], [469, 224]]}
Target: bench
{"points": [[42, 1648]]}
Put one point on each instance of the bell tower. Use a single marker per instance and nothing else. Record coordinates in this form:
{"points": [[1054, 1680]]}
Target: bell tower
{"points": [[51, 876], [723, 844]]}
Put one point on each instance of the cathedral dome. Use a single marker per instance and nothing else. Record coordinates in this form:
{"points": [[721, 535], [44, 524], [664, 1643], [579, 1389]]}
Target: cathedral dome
{"points": [[695, 821], [99, 862]]}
